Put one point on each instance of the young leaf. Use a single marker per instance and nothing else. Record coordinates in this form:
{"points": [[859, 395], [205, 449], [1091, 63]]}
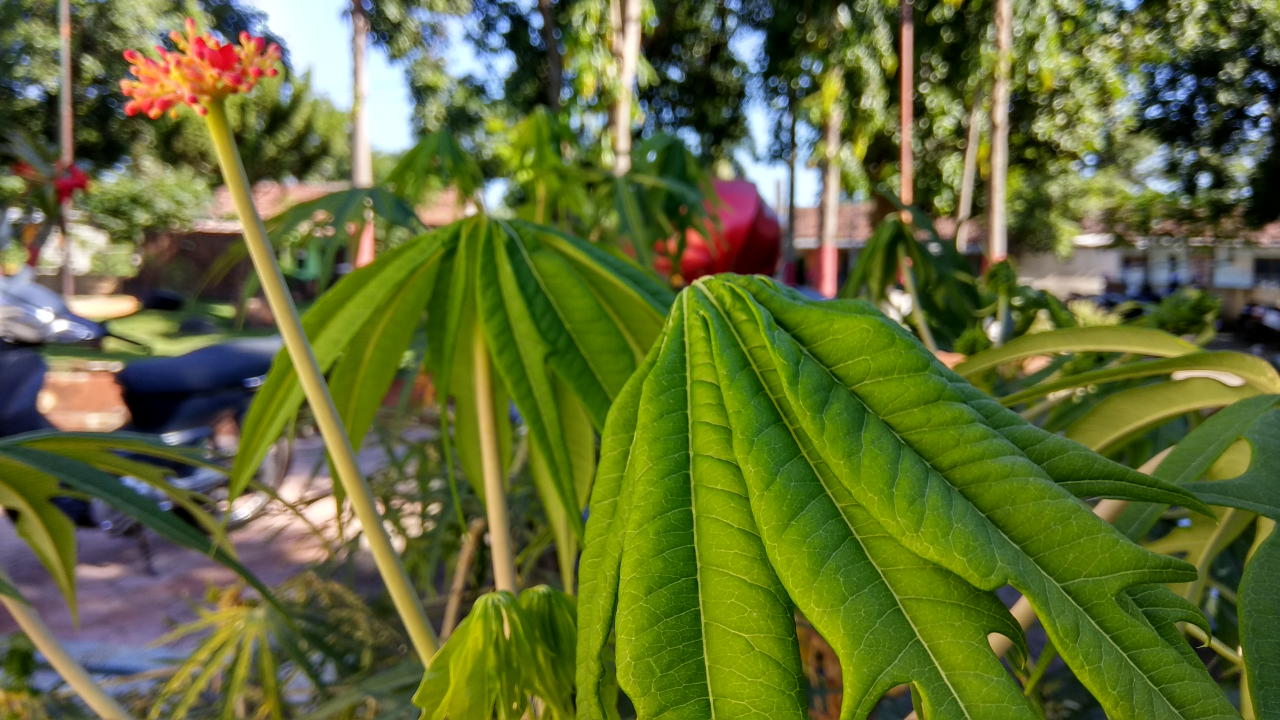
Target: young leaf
{"points": [[780, 451]]}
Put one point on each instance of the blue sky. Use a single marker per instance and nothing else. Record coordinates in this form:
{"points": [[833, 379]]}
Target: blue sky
{"points": [[319, 38]]}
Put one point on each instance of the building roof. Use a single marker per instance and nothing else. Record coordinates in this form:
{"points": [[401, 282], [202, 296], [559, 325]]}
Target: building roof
{"points": [[272, 198], [854, 226]]}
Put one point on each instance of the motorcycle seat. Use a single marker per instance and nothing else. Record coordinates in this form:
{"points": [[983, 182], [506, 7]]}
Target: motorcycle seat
{"points": [[224, 365]]}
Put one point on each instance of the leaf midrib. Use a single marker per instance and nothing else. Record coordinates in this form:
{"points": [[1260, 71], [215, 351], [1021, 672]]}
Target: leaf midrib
{"points": [[693, 510]]}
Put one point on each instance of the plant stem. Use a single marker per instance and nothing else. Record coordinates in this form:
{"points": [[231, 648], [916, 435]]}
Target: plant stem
{"points": [[917, 312], [316, 390], [495, 493], [66, 666], [1002, 317]]}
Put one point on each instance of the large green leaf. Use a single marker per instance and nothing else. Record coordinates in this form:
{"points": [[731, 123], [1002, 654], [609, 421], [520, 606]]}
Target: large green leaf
{"points": [[1138, 341], [564, 323], [1260, 627], [776, 452]]}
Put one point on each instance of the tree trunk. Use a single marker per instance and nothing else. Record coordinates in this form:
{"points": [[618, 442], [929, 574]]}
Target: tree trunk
{"points": [[998, 239], [625, 15], [828, 270], [361, 151], [970, 172], [789, 249], [906, 102], [66, 137], [555, 67]]}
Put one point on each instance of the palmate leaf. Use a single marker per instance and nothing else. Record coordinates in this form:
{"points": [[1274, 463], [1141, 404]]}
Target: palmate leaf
{"points": [[564, 322], [775, 453]]}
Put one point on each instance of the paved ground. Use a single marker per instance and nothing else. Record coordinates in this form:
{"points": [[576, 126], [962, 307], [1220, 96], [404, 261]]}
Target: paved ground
{"points": [[123, 610]]}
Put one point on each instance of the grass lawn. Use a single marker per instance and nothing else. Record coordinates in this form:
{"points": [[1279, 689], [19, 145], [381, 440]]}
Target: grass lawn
{"points": [[158, 333]]}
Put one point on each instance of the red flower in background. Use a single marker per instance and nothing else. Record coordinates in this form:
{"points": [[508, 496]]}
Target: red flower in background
{"points": [[202, 70], [70, 181]]}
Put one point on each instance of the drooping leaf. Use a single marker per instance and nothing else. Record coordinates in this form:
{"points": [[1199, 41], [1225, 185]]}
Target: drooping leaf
{"points": [[1110, 338], [505, 651], [1254, 421], [1130, 413], [1260, 627], [1231, 366], [47, 531], [778, 452]]}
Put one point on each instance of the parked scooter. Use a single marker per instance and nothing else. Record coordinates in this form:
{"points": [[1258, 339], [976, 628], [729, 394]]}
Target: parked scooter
{"points": [[195, 400]]}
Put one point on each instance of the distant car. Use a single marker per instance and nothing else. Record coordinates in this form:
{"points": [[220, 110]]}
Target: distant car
{"points": [[1259, 324]]}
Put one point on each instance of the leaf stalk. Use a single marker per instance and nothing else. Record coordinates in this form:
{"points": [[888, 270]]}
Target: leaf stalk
{"points": [[66, 666]]}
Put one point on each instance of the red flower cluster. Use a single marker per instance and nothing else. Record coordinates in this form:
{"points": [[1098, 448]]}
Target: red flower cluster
{"points": [[70, 181], [201, 70], [65, 182]]}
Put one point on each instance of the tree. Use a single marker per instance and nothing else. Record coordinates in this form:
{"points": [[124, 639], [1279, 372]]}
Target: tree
{"points": [[144, 197], [285, 130], [100, 33], [1210, 92]]}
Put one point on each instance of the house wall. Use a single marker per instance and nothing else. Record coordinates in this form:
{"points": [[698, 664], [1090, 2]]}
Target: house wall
{"points": [[1086, 272]]}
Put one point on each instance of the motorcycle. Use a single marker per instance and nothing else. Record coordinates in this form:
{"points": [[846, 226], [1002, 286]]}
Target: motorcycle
{"points": [[197, 400]]}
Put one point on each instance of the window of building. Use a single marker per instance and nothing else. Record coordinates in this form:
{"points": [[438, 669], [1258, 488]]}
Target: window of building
{"points": [[1266, 270]]}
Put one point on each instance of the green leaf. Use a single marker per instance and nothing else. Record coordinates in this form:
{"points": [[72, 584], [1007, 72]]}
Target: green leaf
{"points": [[565, 324], [1247, 369], [1130, 413], [1260, 627], [106, 487], [1138, 341], [331, 325], [46, 529], [1196, 454], [782, 452], [479, 673]]}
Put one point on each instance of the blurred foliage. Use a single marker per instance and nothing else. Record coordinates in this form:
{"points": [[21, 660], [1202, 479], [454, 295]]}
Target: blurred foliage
{"points": [[1210, 92], [100, 33], [146, 196], [252, 655], [283, 131]]}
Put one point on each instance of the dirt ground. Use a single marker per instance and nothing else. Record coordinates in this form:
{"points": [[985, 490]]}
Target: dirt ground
{"points": [[124, 610]]}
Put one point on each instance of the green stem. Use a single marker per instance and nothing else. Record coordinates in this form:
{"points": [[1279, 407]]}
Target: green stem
{"points": [[316, 390], [495, 492], [66, 666], [917, 312], [1002, 317]]}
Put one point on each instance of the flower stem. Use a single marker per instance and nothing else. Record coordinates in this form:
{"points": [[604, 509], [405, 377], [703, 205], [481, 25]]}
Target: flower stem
{"points": [[316, 390], [66, 666]]}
